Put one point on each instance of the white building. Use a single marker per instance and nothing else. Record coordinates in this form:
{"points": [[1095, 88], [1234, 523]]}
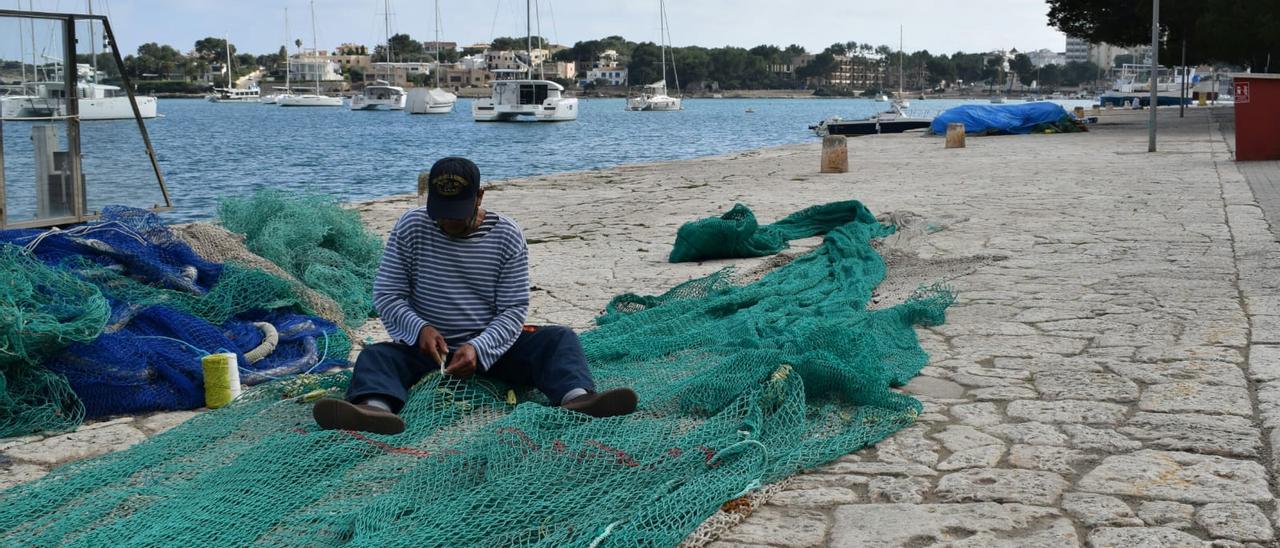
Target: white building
{"points": [[617, 76], [1104, 55], [1043, 57], [398, 74], [473, 62], [311, 65], [513, 59]]}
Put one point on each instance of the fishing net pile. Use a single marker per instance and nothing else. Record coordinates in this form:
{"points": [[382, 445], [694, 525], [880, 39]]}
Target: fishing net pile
{"points": [[737, 234], [311, 238], [741, 385], [114, 316]]}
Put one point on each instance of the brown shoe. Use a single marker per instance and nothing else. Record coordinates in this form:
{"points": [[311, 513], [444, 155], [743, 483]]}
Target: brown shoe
{"points": [[334, 414], [610, 403]]}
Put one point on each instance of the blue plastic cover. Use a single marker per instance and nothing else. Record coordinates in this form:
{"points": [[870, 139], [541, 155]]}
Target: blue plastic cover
{"points": [[999, 119]]}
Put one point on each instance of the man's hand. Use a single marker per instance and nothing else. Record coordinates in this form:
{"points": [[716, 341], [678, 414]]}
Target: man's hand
{"points": [[431, 343], [464, 363]]}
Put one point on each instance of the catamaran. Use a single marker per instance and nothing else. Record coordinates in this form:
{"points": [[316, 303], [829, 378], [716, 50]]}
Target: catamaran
{"points": [[311, 99], [527, 98], [653, 97], [46, 98], [381, 95], [434, 100]]}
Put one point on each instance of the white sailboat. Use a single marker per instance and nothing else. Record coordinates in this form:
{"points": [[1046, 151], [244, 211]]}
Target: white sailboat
{"points": [[381, 95], [274, 98], [527, 98], [434, 100], [231, 94], [653, 97], [311, 99], [901, 99]]}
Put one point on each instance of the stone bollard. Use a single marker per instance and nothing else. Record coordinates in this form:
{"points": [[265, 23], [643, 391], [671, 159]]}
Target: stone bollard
{"points": [[835, 154], [955, 135], [1079, 112]]}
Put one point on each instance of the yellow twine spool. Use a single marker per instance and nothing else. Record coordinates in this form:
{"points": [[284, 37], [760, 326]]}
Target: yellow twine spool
{"points": [[221, 379]]}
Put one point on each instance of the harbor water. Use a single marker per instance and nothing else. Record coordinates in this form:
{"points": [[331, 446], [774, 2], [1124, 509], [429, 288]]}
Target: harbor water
{"points": [[208, 151]]}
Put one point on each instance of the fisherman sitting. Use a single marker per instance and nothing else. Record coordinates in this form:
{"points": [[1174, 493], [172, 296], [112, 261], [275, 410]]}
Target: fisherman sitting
{"points": [[453, 285]]}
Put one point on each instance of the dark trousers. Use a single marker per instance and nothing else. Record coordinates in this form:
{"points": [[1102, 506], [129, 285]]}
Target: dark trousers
{"points": [[549, 359]]}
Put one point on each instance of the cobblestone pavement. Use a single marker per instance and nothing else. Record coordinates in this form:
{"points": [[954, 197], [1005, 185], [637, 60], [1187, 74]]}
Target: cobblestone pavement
{"points": [[1113, 381]]}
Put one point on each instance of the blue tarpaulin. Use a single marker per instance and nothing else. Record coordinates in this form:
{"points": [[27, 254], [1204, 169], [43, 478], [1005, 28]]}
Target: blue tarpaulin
{"points": [[1000, 119]]}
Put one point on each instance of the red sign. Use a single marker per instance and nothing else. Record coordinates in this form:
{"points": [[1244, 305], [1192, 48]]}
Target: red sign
{"points": [[1242, 92]]}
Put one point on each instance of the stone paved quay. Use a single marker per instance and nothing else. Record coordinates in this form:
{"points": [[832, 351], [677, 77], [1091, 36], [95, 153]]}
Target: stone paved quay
{"points": [[1113, 381]]}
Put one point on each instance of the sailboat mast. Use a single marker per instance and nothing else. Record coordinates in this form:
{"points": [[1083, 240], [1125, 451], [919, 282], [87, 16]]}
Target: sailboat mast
{"points": [[528, 27], [286, 50], [315, 50], [22, 48], [386, 25], [437, 55], [899, 61], [93, 44], [35, 64], [662, 38], [227, 45]]}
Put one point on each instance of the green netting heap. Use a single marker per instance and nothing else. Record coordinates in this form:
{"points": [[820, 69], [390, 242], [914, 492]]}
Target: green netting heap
{"points": [[736, 234], [740, 385], [314, 239], [42, 310]]}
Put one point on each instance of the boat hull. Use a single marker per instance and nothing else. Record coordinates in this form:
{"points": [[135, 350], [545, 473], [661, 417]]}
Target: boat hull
{"points": [[310, 101], [869, 127], [1141, 100], [109, 108], [660, 104], [360, 103], [558, 110], [430, 101]]}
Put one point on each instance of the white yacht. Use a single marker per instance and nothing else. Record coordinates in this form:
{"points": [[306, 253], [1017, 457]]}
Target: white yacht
{"points": [[97, 102], [434, 100], [380, 95], [232, 95], [653, 97], [527, 98], [310, 99]]}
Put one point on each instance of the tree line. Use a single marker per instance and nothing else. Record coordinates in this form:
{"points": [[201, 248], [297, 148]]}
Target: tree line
{"points": [[760, 67], [1232, 32]]}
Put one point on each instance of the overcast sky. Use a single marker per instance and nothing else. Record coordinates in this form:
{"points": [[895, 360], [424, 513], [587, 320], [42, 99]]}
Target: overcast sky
{"points": [[940, 26]]}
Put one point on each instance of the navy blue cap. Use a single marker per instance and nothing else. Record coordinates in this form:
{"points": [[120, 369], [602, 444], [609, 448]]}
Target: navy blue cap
{"points": [[452, 187]]}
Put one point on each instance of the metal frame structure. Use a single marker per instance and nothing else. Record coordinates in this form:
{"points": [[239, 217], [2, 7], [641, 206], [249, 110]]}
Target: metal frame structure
{"points": [[72, 118]]}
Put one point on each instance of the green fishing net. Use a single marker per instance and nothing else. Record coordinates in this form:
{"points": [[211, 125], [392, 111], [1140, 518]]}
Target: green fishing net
{"points": [[315, 240], [740, 386], [737, 234], [42, 310]]}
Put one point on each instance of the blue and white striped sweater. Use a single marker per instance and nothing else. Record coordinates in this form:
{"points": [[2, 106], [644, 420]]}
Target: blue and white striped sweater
{"points": [[472, 290]]}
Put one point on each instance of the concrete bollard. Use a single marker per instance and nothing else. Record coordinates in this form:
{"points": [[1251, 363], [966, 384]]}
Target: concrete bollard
{"points": [[1079, 112], [955, 135], [835, 154]]}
